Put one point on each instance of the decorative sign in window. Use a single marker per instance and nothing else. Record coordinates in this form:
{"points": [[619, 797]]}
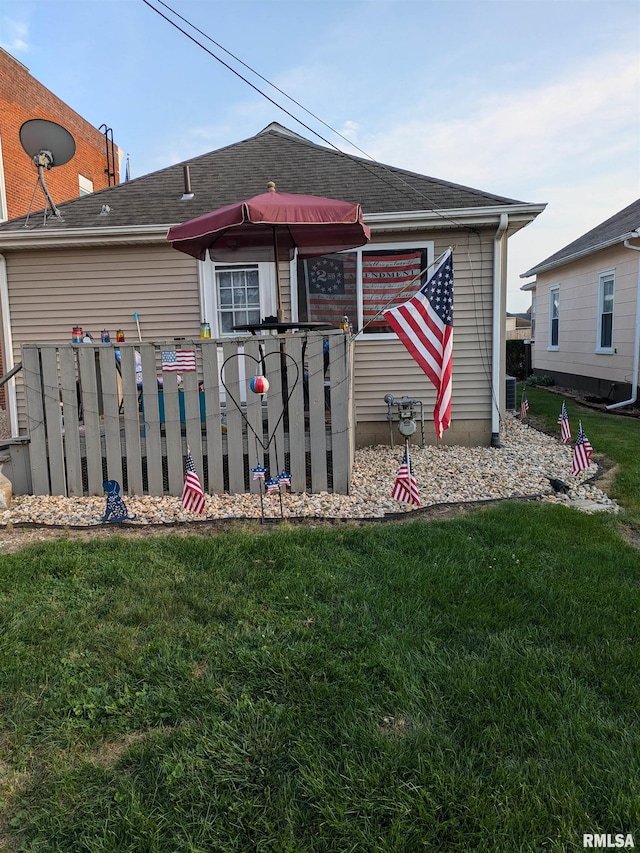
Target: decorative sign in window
{"points": [[326, 276], [389, 278], [331, 288]]}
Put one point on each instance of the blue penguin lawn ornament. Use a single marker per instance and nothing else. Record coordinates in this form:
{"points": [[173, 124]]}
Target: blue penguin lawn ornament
{"points": [[116, 511]]}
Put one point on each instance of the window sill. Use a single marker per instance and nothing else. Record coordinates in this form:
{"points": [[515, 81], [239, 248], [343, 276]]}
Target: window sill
{"points": [[604, 350]]}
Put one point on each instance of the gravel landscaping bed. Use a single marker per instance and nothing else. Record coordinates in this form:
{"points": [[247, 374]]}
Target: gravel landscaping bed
{"points": [[447, 476]]}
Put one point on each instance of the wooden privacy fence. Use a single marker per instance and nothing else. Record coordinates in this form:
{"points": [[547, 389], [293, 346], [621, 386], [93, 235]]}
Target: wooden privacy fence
{"points": [[93, 417]]}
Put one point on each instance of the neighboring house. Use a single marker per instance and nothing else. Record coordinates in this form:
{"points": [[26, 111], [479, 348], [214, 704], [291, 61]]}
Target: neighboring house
{"points": [[95, 165], [109, 258], [518, 326], [587, 309]]}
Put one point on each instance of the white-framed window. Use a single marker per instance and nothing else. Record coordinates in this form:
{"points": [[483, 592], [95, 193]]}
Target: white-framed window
{"points": [[361, 283], [606, 290], [238, 292], [554, 318], [85, 185], [235, 294]]}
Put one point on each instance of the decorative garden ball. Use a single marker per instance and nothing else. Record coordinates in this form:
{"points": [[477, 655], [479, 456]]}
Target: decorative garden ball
{"points": [[259, 384]]}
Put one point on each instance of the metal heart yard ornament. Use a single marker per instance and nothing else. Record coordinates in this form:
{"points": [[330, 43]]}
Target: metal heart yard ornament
{"points": [[259, 384]]}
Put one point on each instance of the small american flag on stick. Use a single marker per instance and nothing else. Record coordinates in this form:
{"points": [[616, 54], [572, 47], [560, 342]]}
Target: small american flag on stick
{"points": [[565, 426], [192, 493], [405, 488], [524, 406], [178, 361], [582, 451]]}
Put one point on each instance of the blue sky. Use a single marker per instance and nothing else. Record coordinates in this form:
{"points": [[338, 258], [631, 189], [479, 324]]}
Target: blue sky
{"points": [[537, 100]]}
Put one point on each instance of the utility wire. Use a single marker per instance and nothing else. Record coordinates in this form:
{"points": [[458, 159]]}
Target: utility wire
{"points": [[361, 163], [265, 80]]}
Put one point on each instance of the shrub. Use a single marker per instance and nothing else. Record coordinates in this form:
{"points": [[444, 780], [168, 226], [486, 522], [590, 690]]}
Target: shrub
{"points": [[539, 379], [516, 362]]}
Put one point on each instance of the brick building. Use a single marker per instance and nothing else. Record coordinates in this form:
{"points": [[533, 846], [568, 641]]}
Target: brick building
{"points": [[22, 98], [94, 166]]}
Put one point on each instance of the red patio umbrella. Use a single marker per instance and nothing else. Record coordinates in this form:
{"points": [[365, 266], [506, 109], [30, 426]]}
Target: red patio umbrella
{"points": [[261, 227]]}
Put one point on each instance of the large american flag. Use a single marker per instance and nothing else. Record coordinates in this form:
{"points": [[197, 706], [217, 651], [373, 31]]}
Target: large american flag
{"points": [[582, 451], [192, 493], [178, 361], [565, 426], [424, 324], [405, 488]]}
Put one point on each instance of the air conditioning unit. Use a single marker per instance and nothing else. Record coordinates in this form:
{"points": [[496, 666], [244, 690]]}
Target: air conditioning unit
{"points": [[510, 397]]}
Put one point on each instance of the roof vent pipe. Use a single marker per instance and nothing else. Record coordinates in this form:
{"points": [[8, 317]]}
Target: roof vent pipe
{"points": [[187, 194], [636, 342]]}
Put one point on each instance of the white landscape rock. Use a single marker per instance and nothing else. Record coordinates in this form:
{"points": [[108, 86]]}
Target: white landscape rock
{"points": [[6, 491], [520, 468]]}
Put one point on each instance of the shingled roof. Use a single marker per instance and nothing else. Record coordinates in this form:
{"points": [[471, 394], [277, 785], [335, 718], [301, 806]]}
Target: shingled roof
{"points": [[616, 229], [243, 170]]}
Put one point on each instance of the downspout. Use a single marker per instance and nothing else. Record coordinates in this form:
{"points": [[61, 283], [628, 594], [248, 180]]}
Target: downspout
{"points": [[636, 343], [7, 346], [497, 379]]}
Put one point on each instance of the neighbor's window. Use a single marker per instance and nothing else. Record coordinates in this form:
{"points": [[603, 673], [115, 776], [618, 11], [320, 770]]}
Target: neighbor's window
{"points": [[605, 312], [238, 296], [85, 185], [554, 317], [361, 284]]}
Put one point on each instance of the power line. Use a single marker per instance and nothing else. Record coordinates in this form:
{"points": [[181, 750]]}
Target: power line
{"points": [[359, 162], [265, 80], [363, 164]]}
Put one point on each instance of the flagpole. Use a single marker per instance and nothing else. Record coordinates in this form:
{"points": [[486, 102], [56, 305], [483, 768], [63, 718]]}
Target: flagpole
{"points": [[260, 492], [260, 481]]}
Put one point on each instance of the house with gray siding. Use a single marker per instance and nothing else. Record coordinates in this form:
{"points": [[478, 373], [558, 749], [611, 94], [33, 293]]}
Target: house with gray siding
{"points": [[107, 259]]}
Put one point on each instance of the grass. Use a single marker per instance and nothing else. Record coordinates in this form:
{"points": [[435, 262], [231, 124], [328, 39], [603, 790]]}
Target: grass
{"points": [[463, 685]]}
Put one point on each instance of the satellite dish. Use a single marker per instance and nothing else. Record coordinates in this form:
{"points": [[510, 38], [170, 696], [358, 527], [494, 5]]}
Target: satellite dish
{"points": [[48, 144], [41, 137]]}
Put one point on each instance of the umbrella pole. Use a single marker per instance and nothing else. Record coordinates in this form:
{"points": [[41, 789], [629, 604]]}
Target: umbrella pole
{"points": [[280, 312]]}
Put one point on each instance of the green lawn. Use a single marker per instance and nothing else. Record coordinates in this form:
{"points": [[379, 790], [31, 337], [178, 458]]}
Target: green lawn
{"points": [[461, 685]]}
